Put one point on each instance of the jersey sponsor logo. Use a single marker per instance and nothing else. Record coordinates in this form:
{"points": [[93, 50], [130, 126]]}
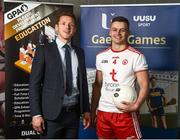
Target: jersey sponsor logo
{"points": [[113, 74], [111, 86], [104, 61]]}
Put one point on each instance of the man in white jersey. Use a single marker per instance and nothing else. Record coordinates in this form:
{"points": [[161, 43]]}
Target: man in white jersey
{"points": [[118, 65]]}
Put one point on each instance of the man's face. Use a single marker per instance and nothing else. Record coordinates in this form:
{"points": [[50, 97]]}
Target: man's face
{"points": [[65, 28], [153, 82], [119, 33]]}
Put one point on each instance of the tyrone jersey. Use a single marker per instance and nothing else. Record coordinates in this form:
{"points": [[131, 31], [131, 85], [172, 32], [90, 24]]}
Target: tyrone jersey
{"points": [[118, 68]]}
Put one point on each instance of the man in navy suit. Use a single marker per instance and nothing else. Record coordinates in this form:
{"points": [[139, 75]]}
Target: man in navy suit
{"points": [[56, 109]]}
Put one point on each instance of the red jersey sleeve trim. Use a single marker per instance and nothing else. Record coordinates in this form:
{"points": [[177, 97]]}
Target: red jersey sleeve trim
{"points": [[134, 50]]}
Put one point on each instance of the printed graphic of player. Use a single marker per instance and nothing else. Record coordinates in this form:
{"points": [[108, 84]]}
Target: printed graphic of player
{"points": [[156, 102], [26, 55]]}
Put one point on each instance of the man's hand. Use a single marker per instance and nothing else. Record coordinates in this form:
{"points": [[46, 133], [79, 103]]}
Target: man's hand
{"points": [[128, 107], [86, 120], [38, 124]]}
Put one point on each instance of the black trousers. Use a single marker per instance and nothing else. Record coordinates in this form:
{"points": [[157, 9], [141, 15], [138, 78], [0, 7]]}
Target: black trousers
{"points": [[65, 127]]}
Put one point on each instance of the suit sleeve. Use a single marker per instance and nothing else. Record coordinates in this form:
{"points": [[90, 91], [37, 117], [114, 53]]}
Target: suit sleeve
{"points": [[86, 106], [36, 81]]}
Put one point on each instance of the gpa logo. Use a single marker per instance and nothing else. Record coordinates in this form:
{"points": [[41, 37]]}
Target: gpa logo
{"points": [[17, 11]]}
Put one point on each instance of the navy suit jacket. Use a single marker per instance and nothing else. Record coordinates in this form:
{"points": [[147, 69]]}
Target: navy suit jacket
{"points": [[47, 87]]}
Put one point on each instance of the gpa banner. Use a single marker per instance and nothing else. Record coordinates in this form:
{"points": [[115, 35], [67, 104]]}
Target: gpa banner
{"points": [[2, 74], [151, 32], [154, 31], [26, 24]]}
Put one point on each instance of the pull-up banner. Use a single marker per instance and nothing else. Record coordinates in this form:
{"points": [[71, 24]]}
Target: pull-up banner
{"points": [[2, 74], [26, 25], [155, 31]]}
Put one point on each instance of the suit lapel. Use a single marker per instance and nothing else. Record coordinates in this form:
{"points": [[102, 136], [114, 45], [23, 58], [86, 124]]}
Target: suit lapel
{"points": [[58, 58]]}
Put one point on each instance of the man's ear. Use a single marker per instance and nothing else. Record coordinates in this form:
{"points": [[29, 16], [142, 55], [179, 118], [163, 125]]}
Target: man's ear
{"points": [[75, 30], [56, 29]]}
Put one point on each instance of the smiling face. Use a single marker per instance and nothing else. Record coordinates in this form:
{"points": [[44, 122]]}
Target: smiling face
{"points": [[65, 28], [119, 33]]}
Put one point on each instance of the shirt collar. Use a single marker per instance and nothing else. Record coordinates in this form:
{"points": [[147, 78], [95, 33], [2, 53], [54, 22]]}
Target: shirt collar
{"points": [[61, 44]]}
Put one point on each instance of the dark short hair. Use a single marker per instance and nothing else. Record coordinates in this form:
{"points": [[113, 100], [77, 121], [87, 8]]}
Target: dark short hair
{"points": [[66, 13], [121, 19]]}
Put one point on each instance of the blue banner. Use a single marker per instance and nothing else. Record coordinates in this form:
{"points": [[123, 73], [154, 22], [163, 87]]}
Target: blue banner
{"points": [[155, 31]]}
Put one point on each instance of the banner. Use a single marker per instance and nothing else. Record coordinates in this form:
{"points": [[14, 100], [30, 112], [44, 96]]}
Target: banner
{"points": [[154, 31], [26, 25], [150, 29], [2, 74]]}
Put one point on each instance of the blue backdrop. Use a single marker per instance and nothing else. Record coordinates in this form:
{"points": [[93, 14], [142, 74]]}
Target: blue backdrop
{"points": [[155, 31]]}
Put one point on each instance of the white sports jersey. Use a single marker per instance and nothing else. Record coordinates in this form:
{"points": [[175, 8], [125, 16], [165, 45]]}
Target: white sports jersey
{"points": [[118, 68]]}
